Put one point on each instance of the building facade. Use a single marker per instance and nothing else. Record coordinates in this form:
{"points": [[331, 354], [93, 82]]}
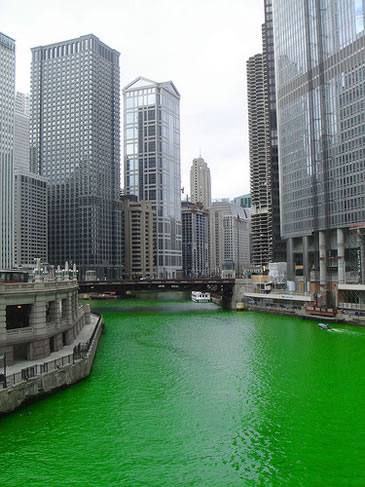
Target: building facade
{"points": [[30, 218], [244, 201], [21, 132], [200, 183], [39, 318], [7, 97], [30, 195], [195, 256], [138, 222], [75, 144], [267, 245], [320, 101], [152, 163], [229, 233]]}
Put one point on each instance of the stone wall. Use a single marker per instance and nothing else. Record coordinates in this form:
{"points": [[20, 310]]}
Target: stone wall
{"points": [[40, 386]]}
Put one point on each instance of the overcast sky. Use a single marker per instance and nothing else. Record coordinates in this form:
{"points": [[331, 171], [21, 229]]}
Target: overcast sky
{"points": [[201, 45]]}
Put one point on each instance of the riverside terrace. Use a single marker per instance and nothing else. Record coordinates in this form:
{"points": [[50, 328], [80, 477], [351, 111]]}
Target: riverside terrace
{"points": [[223, 287]]}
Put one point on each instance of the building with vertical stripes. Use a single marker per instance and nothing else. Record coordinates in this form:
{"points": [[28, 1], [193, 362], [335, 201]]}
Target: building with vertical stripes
{"points": [[75, 144]]}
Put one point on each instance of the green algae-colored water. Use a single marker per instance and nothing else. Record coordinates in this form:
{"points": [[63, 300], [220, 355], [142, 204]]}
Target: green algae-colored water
{"points": [[186, 394]]}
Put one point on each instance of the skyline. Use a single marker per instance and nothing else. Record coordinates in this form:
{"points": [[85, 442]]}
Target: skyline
{"points": [[187, 51]]}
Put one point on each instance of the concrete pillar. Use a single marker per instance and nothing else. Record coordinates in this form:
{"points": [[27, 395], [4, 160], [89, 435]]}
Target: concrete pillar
{"points": [[306, 264], [87, 311], [362, 255], [341, 256], [68, 311], [37, 317], [2, 319], [290, 259], [323, 266]]}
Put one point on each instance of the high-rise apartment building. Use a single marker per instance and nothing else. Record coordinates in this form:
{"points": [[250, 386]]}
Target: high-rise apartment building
{"points": [[152, 163], [200, 184], [267, 245], [320, 73], [195, 223], [138, 219], [7, 97], [75, 144]]}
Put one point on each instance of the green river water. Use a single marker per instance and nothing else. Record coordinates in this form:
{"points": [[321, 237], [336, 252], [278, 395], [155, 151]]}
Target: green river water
{"points": [[186, 394]]}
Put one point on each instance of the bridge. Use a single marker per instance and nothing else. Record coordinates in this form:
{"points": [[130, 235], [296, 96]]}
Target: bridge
{"points": [[223, 287]]}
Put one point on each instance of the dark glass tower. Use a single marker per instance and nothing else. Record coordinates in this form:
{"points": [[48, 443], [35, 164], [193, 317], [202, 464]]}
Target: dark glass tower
{"points": [[75, 144], [320, 73]]}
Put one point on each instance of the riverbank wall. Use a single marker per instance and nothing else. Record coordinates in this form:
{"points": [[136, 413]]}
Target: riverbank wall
{"points": [[38, 382], [341, 317]]}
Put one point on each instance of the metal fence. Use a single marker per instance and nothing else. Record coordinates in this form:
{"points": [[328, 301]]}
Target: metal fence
{"points": [[80, 351]]}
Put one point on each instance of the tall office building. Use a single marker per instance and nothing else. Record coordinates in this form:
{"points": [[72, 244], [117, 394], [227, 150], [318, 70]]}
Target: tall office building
{"points": [[320, 72], [75, 144], [21, 132], [267, 245], [152, 162], [7, 97], [22, 103], [200, 185], [229, 234], [195, 256], [30, 195], [30, 218]]}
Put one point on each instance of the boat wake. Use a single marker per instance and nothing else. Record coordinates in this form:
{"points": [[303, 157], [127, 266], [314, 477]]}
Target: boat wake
{"points": [[347, 332]]}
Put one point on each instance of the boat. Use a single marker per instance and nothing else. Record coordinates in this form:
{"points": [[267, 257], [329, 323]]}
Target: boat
{"points": [[103, 296], [200, 297], [324, 326]]}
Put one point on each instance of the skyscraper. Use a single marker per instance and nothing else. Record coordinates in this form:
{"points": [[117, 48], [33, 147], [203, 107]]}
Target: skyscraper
{"points": [[320, 74], [21, 132], [7, 97], [195, 222], [152, 162], [200, 185], [75, 144], [30, 194], [267, 245], [229, 229]]}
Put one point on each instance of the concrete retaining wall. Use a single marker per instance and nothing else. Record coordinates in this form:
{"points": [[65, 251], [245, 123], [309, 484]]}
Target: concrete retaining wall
{"points": [[43, 385]]}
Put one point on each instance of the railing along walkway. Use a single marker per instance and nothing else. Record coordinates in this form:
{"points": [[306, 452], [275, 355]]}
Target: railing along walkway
{"points": [[80, 351]]}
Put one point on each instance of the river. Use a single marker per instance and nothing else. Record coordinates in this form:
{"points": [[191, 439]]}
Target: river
{"points": [[187, 394]]}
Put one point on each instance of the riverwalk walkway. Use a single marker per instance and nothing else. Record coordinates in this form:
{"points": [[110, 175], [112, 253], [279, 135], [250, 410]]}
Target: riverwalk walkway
{"points": [[55, 359]]}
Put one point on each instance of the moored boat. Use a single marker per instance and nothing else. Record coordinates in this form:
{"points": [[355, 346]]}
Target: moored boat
{"points": [[200, 297]]}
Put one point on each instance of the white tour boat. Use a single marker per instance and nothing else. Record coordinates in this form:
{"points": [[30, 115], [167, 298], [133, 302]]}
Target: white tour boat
{"points": [[199, 297]]}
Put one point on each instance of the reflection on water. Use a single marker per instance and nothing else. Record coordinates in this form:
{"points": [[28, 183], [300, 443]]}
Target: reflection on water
{"points": [[154, 301], [185, 393]]}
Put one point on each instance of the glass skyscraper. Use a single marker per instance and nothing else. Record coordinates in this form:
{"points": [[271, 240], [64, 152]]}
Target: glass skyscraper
{"points": [[7, 97], [152, 163], [320, 73], [75, 144]]}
